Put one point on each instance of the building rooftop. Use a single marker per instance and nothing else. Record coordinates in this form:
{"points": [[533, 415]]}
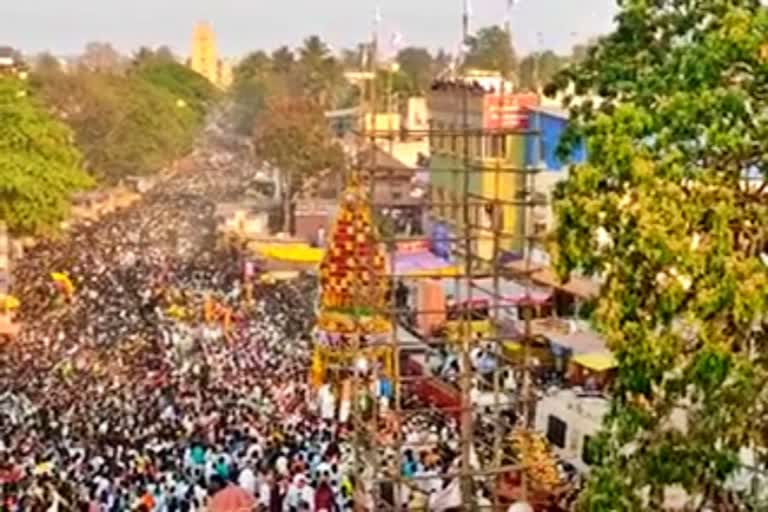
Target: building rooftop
{"points": [[550, 111]]}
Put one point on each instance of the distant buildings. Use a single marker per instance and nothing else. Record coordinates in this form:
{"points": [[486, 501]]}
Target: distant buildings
{"points": [[205, 57], [549, 125], [495, 160]]}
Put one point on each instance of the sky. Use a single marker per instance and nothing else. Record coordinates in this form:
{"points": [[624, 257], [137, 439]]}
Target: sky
{"points": [[64, 26]]}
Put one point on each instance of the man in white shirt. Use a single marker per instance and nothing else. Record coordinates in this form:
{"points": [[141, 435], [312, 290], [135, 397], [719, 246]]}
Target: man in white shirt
{"points": [[247, 480]]}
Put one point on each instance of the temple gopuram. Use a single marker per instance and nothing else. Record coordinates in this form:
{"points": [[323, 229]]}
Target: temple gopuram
{"points": [[351, 319]]}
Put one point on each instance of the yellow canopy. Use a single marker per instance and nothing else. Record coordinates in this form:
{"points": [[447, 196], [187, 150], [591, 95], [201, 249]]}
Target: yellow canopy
{"points": [[452, 271], [598, 362], [297, 253]]}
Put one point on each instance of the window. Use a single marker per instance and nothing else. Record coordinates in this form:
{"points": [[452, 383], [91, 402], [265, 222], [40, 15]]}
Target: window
{"points": [[498, 146], [556, 429]]}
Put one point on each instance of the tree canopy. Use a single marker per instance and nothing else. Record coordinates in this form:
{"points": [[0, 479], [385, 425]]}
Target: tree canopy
{"points": [[131, 123], [663, 212], [418, 65], [39, 166], [490, 49], [292, 134], [311, 71], [161, 69]]}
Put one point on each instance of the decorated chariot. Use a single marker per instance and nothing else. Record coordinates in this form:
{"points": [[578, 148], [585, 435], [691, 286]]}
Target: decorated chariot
{"points": [[352, 327]]}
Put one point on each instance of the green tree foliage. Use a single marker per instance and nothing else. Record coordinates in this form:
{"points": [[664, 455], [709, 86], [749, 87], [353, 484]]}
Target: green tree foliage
{"points": [[392, 85], [128, 124], [418, 65], [162, 70], [39, 166], [311, 71], [491, 50], [538, 69], [257, 78], [321, 74], [292, 134], [662, 211]]}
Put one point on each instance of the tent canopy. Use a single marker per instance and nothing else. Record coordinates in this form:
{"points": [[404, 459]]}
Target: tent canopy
{"points": [[422, 263], [598, 362]]}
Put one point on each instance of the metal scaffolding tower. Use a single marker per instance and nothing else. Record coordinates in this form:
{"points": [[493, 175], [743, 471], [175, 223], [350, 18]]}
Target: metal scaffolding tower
{"points": [[479, 240]]}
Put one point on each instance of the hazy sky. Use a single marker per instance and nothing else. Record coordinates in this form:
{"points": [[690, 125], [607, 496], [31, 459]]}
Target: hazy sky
{"points": [[63, 26]]}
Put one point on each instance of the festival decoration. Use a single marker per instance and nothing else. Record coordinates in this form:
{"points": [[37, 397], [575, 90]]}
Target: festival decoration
{"points": [[64, 283], [353, 276], [354, 288], [536, 459]]}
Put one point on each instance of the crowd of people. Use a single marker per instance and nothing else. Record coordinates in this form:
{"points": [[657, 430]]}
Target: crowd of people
{"points": [[163, 376], [120, 396], [120, 393]]}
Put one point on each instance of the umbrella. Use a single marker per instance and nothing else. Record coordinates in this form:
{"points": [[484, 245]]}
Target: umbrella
{"points": [[232, 499]]}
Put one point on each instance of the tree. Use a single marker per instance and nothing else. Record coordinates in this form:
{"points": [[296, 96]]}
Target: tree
{"points": [[100, 56], [125, 124], [418, 65], [45, 63], [39, 167], [538, 69], [194, 90], [320, 74], [292, 134], [662, 212], [255, 65], [255, 79], [491, 50], [283, 60]]}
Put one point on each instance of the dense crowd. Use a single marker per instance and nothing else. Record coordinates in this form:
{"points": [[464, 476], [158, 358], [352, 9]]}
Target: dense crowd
{"points": [[122, 394]]}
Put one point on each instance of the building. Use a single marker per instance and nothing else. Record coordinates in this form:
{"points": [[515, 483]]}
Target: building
{"points": [[402, 133], [205, 57], [10, 62], [548, 124], [495, 154], [224, 74]]}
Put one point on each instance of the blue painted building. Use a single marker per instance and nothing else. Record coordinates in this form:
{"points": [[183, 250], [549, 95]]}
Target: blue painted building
{"points": [[541, 149]]}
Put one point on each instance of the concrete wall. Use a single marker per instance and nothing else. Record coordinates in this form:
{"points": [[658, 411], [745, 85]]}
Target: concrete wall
{"points": [[541, 150]]}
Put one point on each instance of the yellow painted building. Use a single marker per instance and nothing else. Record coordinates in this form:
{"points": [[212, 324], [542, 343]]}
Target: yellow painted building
{"points": [[205, 59], [494, 159]]}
